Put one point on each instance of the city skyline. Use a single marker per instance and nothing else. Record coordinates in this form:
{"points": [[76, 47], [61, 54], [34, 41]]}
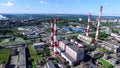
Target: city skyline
{"points": [[110, 8]]}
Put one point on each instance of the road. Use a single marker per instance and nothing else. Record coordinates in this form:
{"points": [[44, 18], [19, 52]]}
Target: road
{"points": [[12, 46], [76, 34], [22, 57], [14, 61]]}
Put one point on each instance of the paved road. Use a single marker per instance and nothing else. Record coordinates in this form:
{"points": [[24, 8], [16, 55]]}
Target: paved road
{"points": [[75, 34], [14, 61], [22, 57], [12, 46]]}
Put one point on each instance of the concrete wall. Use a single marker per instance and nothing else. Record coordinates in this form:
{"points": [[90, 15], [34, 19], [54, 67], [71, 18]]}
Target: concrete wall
{"points": [[66, 59], [62, 45], [80, 55], [71, 52]]}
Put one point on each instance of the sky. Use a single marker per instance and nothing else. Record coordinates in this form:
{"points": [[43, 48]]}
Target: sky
{"points": [[110, 7]]}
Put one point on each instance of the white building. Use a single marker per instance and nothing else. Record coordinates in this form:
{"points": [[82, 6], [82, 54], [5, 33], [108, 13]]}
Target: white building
{"points": [[114, 34], [85, 39], [70, 51]]}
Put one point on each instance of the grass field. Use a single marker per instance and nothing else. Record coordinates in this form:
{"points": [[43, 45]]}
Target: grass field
{"points": [[37, 40], [102, 50], [72, 35], [34, 55], [17, 41], [105, 63], [116, 29], [4, 56]]}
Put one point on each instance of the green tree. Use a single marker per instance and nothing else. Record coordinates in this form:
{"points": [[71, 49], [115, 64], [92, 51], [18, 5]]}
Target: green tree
{"points": [[47, 53]]}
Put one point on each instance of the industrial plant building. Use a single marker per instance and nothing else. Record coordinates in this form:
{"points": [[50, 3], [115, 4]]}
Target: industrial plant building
{"points": [[85, 39], [38, 45], [49, 64], [70, 52], [111, 45]]}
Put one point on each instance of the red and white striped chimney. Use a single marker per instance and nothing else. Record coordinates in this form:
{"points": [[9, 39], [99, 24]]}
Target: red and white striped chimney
{"points": [[52, 33], [55, 35], [99, 20], [88, 25]]}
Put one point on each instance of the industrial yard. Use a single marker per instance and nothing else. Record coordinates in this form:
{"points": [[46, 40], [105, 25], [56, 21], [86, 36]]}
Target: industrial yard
{"points": [[59, 34]]}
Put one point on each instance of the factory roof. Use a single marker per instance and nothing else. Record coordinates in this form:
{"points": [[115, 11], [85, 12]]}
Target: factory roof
{"points": [[112, 42], [71, 45], [28, 33], [50, 64], [60, 48], [66, 41], [69, 57], [42, 43]]}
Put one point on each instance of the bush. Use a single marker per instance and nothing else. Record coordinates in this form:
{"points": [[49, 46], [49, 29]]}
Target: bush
{"points": [[90, 48], [47, 53], [101, 36], [68, 66]]}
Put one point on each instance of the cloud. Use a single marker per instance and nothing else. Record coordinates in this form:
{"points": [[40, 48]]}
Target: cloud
{"points": [[11, 0], [43, 2], [106, 4], [78, 1], [56, 5], [91, 11], [27, 6], [8, 4]]}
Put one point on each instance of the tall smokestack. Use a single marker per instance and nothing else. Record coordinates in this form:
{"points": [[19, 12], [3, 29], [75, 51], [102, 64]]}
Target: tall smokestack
{"points": [[99, 20], [88, 25], [52, 33], [55, 35]]}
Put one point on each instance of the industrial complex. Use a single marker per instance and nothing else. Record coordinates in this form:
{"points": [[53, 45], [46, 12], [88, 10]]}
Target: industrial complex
{"points": [[59, 42]]}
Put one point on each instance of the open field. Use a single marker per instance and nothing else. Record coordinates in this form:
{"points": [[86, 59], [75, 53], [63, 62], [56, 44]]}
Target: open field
{"points": [[102, 50], [34, 55], [105, 63], [17, 41], [4, 56]]}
